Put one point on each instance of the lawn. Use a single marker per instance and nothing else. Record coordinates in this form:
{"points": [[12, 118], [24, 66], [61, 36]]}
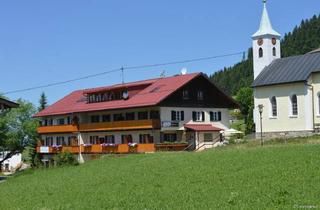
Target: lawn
{"points": [[276, 176]]}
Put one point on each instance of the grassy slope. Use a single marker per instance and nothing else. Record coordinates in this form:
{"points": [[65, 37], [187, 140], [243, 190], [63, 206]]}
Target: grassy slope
{"points": [[246, 178]]}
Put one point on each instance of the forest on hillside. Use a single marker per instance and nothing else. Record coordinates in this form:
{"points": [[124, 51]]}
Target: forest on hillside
{"points": [[304, 38]]}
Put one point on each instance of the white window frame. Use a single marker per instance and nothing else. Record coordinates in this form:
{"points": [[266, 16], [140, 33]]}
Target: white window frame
{"points": [[185, 95], [198, 116], [271, 116], [291, 115], [318, 104], [200, 95]]}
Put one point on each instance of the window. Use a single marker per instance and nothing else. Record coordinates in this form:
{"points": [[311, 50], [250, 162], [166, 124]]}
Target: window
{"points": [[94, 139], [50, 122], [198, 116], [130, 116], [169, 137], [274, 52], [207, 137], [145, 139], [200, 95], [72, 141], [106, 118], [215, 116], [294, 105], [118, 117], [59, 140], [109, 139], [154, 114], [98, 98], [60, 121], [318, 103], [185, 95], [142, 115], [177, 116], [68, 120], [95, 118], [274, 106], [126, 139], [48, 141], [260, 52]]}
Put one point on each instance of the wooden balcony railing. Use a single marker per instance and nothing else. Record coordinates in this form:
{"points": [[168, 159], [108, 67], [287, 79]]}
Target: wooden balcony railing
{"points": [[98, 149], [121, 125], [103, 126], [57, 129], [54, 150]]}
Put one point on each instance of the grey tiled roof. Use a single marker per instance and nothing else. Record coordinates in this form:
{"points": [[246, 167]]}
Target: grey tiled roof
{"points": [[288, 70]]}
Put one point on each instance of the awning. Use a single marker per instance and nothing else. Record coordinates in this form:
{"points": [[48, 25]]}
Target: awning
{"points": [[201, 127]]}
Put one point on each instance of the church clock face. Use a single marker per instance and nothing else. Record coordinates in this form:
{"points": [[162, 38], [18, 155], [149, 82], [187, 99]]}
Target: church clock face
{"points": [[260, 42], [274, 41]]}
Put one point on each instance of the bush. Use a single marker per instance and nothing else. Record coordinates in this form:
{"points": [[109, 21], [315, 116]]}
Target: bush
{"points": [[65, 158]]}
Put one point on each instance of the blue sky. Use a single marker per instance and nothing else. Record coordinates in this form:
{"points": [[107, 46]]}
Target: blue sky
{"points": [[50, 41]]}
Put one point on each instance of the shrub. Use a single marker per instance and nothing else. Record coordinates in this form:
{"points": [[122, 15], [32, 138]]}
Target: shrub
{"points": [[65, 158]]}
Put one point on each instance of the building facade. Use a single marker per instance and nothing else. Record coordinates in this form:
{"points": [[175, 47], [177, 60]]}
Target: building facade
{"points": [[286, 88], [185, 110]]}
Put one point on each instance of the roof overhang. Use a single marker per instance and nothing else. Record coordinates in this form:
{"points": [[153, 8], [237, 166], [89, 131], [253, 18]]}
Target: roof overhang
{"points": [[7, 104], [202, 127]]}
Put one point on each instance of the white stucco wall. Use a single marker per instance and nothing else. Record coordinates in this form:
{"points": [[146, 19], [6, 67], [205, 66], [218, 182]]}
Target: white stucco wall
{"points": [[165, 113], [284, 120], [13, 162], [267, 46]]}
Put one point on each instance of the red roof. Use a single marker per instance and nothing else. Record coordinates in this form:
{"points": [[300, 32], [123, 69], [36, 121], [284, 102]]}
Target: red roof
{"points": [[157, 90], [202, 127]]}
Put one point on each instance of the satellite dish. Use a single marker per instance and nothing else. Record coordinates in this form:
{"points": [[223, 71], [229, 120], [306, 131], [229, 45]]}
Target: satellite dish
{"points": [[184, 71], [125, 94]]}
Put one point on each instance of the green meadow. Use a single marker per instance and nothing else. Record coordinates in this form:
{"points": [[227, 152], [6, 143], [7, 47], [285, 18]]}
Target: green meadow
{"points": [[277, 176]]}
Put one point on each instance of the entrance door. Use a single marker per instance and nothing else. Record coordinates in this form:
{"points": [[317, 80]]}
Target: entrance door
{"points": [[191, 138]]}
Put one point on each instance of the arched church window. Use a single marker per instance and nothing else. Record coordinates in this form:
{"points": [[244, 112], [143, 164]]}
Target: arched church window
{"points": [[319, 103], [274, 51], [274, 110], [294, 105], [260, 52]]}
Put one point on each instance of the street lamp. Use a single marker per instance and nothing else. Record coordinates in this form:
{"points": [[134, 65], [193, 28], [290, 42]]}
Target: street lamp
{"points": [[260, 107]]}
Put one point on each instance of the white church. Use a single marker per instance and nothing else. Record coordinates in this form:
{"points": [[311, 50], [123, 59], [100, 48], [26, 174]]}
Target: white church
{"points": [[287, 89]]}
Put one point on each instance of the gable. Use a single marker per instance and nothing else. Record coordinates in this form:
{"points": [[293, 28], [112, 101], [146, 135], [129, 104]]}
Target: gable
{"points": [[212, 96]]}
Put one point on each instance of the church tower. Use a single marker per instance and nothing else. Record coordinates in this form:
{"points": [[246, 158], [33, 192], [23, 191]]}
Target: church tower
{"points": [[266, 43]]}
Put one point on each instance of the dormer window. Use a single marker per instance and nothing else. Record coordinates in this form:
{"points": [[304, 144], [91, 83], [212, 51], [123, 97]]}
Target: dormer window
{"points": [[185, 94], [200, 95]]}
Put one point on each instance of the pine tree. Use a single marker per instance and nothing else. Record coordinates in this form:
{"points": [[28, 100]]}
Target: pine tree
{"points": [[43, 102]]}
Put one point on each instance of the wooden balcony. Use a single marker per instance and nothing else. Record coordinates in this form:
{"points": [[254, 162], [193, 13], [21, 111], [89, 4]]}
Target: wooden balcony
{"points": [[103, 126], [120, 125], [57, 129], [99, 149], [54, 150]]}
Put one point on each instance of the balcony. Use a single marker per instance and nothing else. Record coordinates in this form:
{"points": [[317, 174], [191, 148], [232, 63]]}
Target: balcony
{"points": [[98, 149], [120, 125], [54, 150], [102, 126], [57, 129]]}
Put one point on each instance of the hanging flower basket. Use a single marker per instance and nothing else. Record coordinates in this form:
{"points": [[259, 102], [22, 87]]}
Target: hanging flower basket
{"points": [[108, 145], [132, 144], [56, 147]]}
